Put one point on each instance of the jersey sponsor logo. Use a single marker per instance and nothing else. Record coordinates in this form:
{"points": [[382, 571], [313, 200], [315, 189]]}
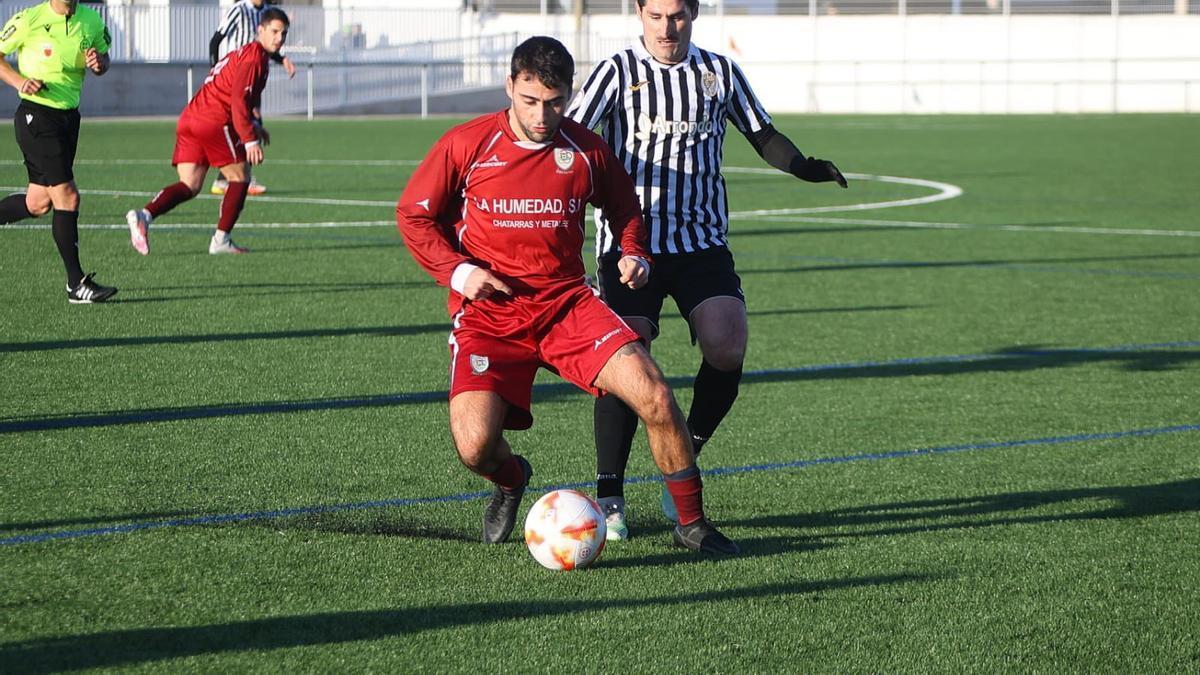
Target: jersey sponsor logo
{"points": [[665, 127], [606, 338], [708, 82], [530, 205], [638, 85], [491, 162], [479, 364], [8, 31], [564, 158]]}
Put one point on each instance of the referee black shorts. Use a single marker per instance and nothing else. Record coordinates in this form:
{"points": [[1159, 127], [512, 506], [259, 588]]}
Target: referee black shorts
{"points": [[689, 278], [48, 137]]}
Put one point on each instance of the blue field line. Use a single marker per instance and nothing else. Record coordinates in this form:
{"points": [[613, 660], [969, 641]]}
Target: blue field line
{"points": [[471, 496], [99, 419]]}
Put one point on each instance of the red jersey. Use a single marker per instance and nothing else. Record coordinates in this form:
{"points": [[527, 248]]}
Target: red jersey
{"points": [[485, 197], [232, 90]]}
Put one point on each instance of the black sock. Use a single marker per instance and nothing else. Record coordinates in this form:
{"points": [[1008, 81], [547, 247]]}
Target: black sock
{"points": [[65, 227], [713, 394], [12, 209], [615, 425]]}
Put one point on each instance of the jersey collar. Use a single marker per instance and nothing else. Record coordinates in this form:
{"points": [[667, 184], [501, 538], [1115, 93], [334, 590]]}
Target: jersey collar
{"points": [[643, 54], [506, 129]]}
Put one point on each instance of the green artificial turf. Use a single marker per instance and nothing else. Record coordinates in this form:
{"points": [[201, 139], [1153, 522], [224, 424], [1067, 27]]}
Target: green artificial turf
{"points": [[966, 438]]}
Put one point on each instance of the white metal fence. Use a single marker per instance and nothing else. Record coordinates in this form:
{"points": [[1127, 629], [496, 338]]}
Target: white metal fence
{"points": [[181, 33], [825, 7]]}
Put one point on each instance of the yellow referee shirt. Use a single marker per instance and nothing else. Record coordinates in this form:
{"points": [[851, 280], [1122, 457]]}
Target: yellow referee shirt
{"points": [[50, 48]]}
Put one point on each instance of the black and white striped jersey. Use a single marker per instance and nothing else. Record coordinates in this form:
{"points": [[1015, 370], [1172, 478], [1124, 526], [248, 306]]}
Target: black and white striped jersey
{"points": [[667, 126], [240, 25]]}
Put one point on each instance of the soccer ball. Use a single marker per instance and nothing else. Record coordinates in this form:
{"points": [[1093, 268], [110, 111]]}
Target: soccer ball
{"points": [[565, 530]]}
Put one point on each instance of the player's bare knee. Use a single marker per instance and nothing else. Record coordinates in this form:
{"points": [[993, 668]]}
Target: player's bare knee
{"points": [[39, 207], [658, 408], [476, 451], [727, 359]]}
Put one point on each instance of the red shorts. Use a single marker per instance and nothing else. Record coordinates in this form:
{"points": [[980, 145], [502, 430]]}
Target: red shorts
{"points": [[499, 345], [200, 141]]}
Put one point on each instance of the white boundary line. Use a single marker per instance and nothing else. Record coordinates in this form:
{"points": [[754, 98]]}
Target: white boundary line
{"points": [[944, 191]]}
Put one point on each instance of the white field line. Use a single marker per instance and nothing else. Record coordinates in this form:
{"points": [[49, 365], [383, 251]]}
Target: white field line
{"points": [[943, 191], [259, 198]]}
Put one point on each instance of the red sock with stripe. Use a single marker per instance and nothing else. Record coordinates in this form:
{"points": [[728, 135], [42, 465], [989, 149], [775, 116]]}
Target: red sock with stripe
{"points": [[688, 493], [509, 476], [168, 198], [231, 205]]}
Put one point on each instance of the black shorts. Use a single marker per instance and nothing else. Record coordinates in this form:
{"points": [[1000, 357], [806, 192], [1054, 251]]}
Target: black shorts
{"points": [[689, 278], [48, 138]]}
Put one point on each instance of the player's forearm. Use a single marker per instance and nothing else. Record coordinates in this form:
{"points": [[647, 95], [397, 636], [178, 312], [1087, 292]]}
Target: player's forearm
{"points": [[242, 113], [779, 151], [214, 48], [633, 235], [426, 242]]}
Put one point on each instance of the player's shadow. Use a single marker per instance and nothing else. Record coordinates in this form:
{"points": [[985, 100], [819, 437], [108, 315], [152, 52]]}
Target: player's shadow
{"points": [[139, 646], [1019, 358], [100, 520], [378, 524], [266, 249], [850, 228], [151, 294], [1010, 508], [673, 556], [1015, 359], [846, 266], [208, 338]]}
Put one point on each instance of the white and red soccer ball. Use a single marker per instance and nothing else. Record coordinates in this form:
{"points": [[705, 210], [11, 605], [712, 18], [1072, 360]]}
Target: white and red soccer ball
{"points": [[565, 530]]}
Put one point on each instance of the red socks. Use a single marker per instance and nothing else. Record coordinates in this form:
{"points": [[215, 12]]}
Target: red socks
{"points": [[510, 475], [231, 205], [687, 491], [168, 198]]}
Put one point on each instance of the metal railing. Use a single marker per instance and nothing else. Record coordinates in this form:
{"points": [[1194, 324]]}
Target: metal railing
{"points": [[829, 7], [180, 33]]}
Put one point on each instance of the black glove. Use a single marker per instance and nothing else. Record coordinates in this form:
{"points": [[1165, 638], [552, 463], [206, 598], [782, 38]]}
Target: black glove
{"points": [[816, 170]]}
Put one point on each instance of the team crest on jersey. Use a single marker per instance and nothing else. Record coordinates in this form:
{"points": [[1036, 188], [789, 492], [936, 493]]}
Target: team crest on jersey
{"points": [[48, 50], [479, 364], [564, 158], [708, 81]]}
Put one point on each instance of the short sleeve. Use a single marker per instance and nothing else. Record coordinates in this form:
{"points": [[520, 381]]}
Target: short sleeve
{"points": [[12, 36]]}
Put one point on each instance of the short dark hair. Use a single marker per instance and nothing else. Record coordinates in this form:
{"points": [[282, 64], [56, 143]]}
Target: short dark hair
{"points": [[545, 58], [693, 5], [273, 14]]}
